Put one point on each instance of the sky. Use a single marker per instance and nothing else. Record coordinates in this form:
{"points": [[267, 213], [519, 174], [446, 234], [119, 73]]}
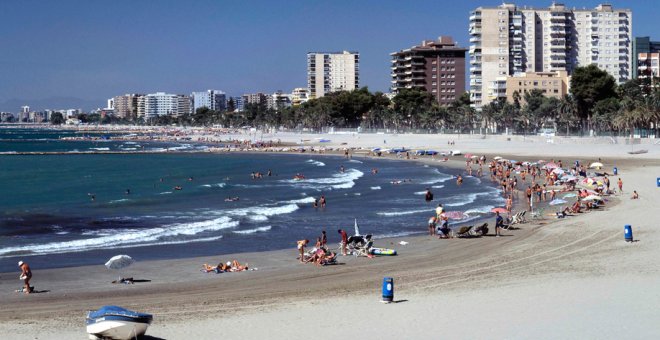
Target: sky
{"points": [[59, 52]]}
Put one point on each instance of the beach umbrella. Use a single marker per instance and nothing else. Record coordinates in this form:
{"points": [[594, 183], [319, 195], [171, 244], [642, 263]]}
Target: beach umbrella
{"points": [[557, 201], [597, 165], [551, 166], [474, 156], [468, 155], [541, 161], [558, 171], [497, 158], [357, 228], [592, 198], [499, 210], [119, 262]]}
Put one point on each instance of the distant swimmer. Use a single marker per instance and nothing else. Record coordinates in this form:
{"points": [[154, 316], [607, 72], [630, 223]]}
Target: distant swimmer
{"points": [[128, 191], [396, 181], [232, 199], [190, 178], [459, 180], [322, 201], [428, 197], [91, 196], [341, 168], [161, 179], [178, 187], [270, 173]]}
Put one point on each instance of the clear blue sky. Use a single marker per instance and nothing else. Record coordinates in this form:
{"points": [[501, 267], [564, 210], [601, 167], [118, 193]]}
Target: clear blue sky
{"points": [[94, 50]]}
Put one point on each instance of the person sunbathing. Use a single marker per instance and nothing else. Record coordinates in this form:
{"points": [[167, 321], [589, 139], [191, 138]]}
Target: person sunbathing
{"points": [[237, 267], [576, 207], [208, 268]]}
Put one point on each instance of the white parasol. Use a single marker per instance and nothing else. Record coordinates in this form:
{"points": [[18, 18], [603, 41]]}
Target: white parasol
{"points": [[596, 165], [119, 262]]}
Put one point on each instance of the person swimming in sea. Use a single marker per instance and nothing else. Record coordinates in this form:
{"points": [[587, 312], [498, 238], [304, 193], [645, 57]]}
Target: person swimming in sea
{"points": [[128, 191], [178, 187]]}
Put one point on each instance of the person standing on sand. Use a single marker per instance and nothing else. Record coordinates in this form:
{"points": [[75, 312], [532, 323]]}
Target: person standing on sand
{"points": [[438, 211], [324, 239], [26, 275], [620, 183], [509, 203], [301, 249], [344, 240], [432, 225], [499, 223], [528, 192]]}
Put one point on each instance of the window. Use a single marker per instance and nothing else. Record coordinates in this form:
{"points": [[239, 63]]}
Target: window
{"points": [[434, 61], [434, 69]]}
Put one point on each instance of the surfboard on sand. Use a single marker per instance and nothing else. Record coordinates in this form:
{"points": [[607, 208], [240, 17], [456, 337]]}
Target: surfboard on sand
{"points": [[383, 251]]}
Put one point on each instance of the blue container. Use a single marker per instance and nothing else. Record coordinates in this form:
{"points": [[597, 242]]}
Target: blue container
{"points": [[627, 232], [615, 170], [388, 289]]}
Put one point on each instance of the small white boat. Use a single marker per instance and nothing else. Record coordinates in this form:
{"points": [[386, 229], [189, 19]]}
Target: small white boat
{"points": [[113, 322]]}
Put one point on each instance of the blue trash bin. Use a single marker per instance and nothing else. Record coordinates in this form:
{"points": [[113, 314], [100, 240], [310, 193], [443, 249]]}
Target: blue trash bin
{"points": [[627, 233], [388, 289], [615, 170]]}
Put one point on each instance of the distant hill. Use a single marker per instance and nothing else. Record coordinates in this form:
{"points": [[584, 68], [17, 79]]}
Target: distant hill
{"points": [[53, 103]]}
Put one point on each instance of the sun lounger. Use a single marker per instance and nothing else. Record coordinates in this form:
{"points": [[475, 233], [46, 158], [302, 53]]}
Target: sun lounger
{"points": [[464, 231], [364, 250], [519, 217]]}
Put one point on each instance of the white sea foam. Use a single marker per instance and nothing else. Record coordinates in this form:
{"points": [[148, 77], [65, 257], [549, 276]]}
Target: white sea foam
{"points": [[317, 163], [258, 218], [402, 213], [302, 200], [129, 149], [437, 186], [376, 188], [421, 192], [345, 180], [216, 185], [119, 200], [354, 161], [165, 193], [100, 149], [253, 231], [130, 238], [443, 178]]}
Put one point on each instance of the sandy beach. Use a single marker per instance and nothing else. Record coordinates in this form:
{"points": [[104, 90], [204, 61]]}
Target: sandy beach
{"points": [[552, 278]]}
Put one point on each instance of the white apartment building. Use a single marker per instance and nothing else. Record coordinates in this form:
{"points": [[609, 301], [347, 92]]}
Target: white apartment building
{"points": [[509, 40], [332, 71], [212, 99], [299, 95], [164, 104]]}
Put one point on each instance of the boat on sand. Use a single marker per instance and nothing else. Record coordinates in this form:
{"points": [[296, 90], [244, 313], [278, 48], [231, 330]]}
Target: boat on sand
{"points": [[114, 322]]}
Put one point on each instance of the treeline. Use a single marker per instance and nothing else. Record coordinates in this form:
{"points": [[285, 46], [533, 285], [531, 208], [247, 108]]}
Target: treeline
{"points": [[595, 103]]}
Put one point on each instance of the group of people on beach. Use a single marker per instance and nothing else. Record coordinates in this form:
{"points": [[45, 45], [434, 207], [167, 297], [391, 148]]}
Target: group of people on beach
{"points": [[320, 254]]}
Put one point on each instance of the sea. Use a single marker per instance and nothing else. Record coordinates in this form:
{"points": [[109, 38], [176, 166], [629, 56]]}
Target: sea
{"points": [[70, 209]]}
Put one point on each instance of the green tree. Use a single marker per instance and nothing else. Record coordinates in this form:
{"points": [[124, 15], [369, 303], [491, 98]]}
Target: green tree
{"points": [[56, 118], [588, 86]]}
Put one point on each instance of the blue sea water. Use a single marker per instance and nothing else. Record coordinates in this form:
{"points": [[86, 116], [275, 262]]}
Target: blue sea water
{"points": [[49, 217]]}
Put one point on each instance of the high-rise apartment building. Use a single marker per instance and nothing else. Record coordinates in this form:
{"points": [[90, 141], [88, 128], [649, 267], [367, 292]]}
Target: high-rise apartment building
{"points": [[255, 99], [332, 71], [646, 54], [509, 40], [437, 67], [211, 99], [165, 104], [126, 106]]}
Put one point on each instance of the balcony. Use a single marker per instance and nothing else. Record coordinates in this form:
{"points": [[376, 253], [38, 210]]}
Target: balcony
{"points": [[475, 16], [474, 61], [476, 68], [475, 39]]}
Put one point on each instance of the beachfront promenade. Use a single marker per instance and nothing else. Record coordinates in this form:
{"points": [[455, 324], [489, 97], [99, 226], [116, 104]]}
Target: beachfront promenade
{"points": [[552, 278]]}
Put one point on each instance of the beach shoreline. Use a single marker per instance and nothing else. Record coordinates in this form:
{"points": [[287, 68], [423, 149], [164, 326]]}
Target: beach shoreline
{"points": [[455, 274]]}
